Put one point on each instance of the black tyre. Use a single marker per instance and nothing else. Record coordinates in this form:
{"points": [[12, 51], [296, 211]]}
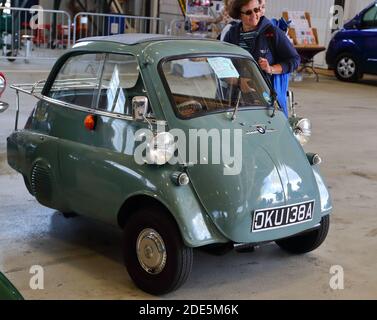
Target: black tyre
{"points": [[10, 55], [27, 185], [308, 241], [347, 68], [156, 258], [69, 215]]}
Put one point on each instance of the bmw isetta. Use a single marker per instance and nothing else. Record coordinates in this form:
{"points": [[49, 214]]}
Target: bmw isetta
{"points": [[114, 136]]}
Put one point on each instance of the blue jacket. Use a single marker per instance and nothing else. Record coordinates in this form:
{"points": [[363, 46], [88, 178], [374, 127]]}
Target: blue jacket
{"points": [[283, 52]]}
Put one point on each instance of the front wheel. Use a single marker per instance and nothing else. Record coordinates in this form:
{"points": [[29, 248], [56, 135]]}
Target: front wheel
{"points": [[308, 241], [347, 68], [156, 258]]}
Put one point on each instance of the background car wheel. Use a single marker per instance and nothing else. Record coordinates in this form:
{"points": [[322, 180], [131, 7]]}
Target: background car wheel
{"points": [[347, 68], [10, 55], [308, 241], [156, 258]]}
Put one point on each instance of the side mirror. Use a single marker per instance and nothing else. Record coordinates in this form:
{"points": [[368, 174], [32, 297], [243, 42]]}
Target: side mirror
{"points": [[3, 106], [139, 108], [356, 24]]}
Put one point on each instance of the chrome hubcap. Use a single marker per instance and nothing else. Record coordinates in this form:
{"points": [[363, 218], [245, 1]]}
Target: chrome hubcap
{"points": [[346, 67], [151, 251]]}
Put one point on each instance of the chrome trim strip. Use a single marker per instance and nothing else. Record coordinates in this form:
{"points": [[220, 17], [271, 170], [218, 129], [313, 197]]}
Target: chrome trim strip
{"points": [[22, 88]]}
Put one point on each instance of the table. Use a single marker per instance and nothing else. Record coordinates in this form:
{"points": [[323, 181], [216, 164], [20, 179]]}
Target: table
{"points": [[307, 54]]}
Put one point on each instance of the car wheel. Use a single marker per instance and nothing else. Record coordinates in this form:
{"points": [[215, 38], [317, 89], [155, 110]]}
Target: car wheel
{"points": [[10, 55], [27, 184], [69, 215], [347, 68], [308, 241], [156, 258]]}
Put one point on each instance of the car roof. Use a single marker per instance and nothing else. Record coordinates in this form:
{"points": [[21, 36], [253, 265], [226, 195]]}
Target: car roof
{"points": [[138, 38], [154, 47]]}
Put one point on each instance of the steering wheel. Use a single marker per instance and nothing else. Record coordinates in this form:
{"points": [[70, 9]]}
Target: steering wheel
{"points": [[190, 107]]}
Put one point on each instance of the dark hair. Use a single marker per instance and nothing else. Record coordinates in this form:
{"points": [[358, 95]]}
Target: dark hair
{"points": [[235, 8]]}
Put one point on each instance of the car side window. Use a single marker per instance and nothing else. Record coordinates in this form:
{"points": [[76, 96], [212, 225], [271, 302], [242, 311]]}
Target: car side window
{"points": [[370, 18], [78, 80], [121, 81]]}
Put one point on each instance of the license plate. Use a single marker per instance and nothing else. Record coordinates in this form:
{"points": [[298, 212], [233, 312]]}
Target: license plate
{"points": [[280, 217]]}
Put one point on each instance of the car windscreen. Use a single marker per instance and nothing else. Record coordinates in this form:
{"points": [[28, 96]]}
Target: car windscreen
{"points": [[203, 85]]}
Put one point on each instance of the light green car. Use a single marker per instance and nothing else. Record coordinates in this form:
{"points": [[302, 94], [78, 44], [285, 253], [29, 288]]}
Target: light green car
{"points": [[177, 141], [7, 290]]}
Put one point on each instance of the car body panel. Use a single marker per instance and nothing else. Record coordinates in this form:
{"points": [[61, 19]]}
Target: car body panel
{"points": [[7, 290], [275, 173]]}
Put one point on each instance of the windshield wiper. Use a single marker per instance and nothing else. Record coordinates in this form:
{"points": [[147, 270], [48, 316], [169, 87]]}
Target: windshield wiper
{"points": [[274, 103], [237, 105]]}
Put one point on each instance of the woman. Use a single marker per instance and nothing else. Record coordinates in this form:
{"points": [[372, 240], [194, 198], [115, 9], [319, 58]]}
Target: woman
{"points": [[265, 42]]}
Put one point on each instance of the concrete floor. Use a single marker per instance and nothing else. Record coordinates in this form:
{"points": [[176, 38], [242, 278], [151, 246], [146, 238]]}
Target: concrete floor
{"points": [[82, 259]]}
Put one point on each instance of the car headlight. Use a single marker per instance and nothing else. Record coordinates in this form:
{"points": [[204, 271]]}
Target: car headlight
{"points": [[3, 84], [303, 131], [161, 148]]}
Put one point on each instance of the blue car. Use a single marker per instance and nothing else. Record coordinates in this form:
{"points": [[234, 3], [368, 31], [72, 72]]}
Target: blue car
{"points": [[353, 50]]}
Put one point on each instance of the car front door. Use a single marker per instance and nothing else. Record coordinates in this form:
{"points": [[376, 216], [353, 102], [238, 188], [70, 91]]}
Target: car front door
{"points": [[369, 39]]}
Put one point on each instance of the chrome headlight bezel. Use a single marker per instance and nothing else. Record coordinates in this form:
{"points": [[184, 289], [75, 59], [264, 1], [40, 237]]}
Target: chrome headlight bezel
{"points": [[3, 84], [302, 130], [161, 148]]}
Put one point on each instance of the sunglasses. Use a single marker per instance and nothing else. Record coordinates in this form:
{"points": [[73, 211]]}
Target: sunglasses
{"points": [[250, 12]]}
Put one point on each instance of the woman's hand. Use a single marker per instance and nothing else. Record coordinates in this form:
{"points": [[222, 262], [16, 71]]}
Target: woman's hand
{"points": [[265, 66]]}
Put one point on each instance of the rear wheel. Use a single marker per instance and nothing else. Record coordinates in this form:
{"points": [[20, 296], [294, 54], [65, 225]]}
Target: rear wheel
{"points": [[156, 258], [347, 68], [308, 241]]}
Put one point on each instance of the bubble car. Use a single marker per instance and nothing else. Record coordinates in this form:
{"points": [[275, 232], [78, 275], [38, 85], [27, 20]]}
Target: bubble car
{"points": [[178, 141]]}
